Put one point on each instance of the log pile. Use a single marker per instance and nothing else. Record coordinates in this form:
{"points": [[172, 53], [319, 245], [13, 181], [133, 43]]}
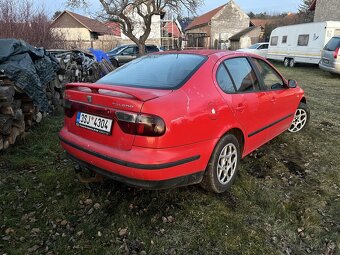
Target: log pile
{"points": [[18, 112]]}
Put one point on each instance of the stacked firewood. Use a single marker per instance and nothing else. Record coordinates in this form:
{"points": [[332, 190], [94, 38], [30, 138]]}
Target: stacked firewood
{"points": [[18, 112]]}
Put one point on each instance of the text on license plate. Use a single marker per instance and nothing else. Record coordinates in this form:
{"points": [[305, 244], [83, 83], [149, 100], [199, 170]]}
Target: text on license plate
{"points": [[94, 123]]}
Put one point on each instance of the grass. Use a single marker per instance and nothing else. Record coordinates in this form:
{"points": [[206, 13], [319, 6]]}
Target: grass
{"points": [[286, 199]]}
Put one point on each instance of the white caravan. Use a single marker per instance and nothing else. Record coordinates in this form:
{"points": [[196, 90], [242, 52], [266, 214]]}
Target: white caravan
{"points": [[301, 43]]}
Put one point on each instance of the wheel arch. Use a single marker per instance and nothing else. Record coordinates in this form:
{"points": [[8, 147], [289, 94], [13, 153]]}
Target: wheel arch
{"points": [[238, 133], [303, 100]]}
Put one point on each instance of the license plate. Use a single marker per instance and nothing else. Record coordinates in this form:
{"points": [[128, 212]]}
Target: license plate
{"points": [[94, 123], [326, 61]]}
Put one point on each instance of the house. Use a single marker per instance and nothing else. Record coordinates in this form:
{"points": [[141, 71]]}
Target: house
{"points": [[245, 38], [215, 28], [326, 10], [83, 32]]}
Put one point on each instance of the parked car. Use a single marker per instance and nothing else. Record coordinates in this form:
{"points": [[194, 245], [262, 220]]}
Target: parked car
{"points": [[125, 53], [178, 118], [330, 58], [260, 49]]}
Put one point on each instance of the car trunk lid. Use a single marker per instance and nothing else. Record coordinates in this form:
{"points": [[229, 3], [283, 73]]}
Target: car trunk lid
{"points": [[90, 111]]}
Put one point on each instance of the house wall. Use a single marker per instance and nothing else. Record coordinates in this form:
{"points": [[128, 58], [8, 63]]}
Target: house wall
{"points": [[229, 21], [327, 10], [71, 34], [250, 38]]}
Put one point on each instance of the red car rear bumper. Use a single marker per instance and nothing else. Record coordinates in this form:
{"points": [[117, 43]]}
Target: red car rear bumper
{"points": [[141, 167]]}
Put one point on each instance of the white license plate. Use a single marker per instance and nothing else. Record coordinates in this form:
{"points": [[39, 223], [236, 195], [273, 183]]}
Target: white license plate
{"points": [[94, 123]]}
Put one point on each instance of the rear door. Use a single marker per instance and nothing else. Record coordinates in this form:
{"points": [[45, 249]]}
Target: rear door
{"points": [[283, 100], [251, 106]]}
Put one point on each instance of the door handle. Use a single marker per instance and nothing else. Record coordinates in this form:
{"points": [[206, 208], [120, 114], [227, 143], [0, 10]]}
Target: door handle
{"points": [[240, 107]]}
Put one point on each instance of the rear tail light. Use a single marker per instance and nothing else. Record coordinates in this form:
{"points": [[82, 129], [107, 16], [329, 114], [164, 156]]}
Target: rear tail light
{"points": [[336, 52], [140, 124]]}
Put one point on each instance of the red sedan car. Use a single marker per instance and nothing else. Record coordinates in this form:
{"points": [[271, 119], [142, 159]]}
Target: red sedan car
{"points": [[180, 118]]}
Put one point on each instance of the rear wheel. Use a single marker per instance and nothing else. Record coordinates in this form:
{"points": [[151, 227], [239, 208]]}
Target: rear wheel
{"points": [[286, 62], [223, 164], [301, 118], [291, 62]]}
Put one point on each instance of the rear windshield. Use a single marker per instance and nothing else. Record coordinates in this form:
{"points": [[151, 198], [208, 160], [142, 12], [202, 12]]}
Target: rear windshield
{"points": [[333, 44], [164, 71]]}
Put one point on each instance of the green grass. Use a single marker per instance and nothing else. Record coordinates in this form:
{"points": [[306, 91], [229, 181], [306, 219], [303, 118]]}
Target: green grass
{"points": [[286, 199]]}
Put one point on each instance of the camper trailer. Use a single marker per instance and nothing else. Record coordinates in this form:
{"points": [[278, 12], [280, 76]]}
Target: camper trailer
{"points": [[301, 43]]}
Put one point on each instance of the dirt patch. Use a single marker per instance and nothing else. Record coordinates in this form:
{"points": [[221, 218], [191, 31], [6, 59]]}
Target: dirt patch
{"points": [[295, 168]]}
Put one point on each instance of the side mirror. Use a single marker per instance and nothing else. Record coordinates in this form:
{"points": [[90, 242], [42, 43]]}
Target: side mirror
{"points": [[292, 84]]}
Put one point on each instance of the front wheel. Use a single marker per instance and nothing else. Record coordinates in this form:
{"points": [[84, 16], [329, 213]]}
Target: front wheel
{"points": [[301, 118], [223, 164]]}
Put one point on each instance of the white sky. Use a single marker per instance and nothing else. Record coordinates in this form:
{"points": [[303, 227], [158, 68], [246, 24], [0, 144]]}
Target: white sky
{"points": [[256, 6]]}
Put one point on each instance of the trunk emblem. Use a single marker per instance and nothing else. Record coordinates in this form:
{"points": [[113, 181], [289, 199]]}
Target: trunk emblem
{"points": [[89, 99]]}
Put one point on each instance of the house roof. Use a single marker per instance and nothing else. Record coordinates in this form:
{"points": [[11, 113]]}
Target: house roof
{"points": [[172, 28], [238, 36], [204, 19], [261, 22], [115, 28], [312, 6], [90, 24]]}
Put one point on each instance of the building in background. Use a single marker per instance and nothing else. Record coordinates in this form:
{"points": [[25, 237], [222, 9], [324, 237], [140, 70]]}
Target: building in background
{"points": [[83, 32], [326, 10], [215, 28]]}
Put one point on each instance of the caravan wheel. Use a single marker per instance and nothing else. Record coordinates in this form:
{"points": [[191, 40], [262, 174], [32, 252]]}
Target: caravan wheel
{"points": [[292, 62], [286, 62]]}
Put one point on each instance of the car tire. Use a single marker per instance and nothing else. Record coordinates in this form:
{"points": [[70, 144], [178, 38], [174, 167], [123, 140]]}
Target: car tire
{"points": [[115, 63], [286, 62], [301, 118], [292, 63], [223, 164]]}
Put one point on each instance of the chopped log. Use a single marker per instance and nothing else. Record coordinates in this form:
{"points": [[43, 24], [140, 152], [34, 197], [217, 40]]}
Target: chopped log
{"points": [[6, 93], [20, 124], [8, 110], [1, 143], [56, 98], [16, 104], [18, 90], [6, 144], [27, 107], [13, 136], [18, 115], [5, 124], [38, 117]]}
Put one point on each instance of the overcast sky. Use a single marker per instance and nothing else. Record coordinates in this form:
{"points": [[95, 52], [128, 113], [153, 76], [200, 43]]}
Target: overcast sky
{"points": [[256, 6]]}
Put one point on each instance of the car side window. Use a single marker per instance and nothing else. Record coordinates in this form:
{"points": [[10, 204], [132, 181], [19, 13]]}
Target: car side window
{"points": [[224, 80], [263, 47], [128, 51], [271, 78], [242, 74]]}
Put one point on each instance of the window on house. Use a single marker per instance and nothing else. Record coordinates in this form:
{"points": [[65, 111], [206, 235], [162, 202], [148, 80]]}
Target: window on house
{"points": [[274, 40], [284, 39], [303, 40], [94, 36]]}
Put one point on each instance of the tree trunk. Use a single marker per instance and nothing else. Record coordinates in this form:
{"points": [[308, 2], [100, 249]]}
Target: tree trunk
{"points": [[141, 47]]}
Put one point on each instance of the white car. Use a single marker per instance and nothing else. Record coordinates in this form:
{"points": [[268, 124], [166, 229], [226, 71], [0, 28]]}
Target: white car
{"points": [[257, 48]]}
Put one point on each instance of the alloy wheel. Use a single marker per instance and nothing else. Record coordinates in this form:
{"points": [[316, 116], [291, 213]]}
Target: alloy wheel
{"points": [[227, 163], [300, 120]]}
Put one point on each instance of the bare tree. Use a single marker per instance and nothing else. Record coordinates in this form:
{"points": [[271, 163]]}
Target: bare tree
{"points": [[135, 16], [19, 20]]}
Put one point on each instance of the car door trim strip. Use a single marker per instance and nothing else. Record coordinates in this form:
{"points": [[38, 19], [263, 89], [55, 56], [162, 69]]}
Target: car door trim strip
{"points": [[270, 125], [132, 164]]}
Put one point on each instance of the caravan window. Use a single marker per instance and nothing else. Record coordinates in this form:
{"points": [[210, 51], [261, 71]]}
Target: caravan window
{"points": [[274, 40], [284, 39], [303, 40]]}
